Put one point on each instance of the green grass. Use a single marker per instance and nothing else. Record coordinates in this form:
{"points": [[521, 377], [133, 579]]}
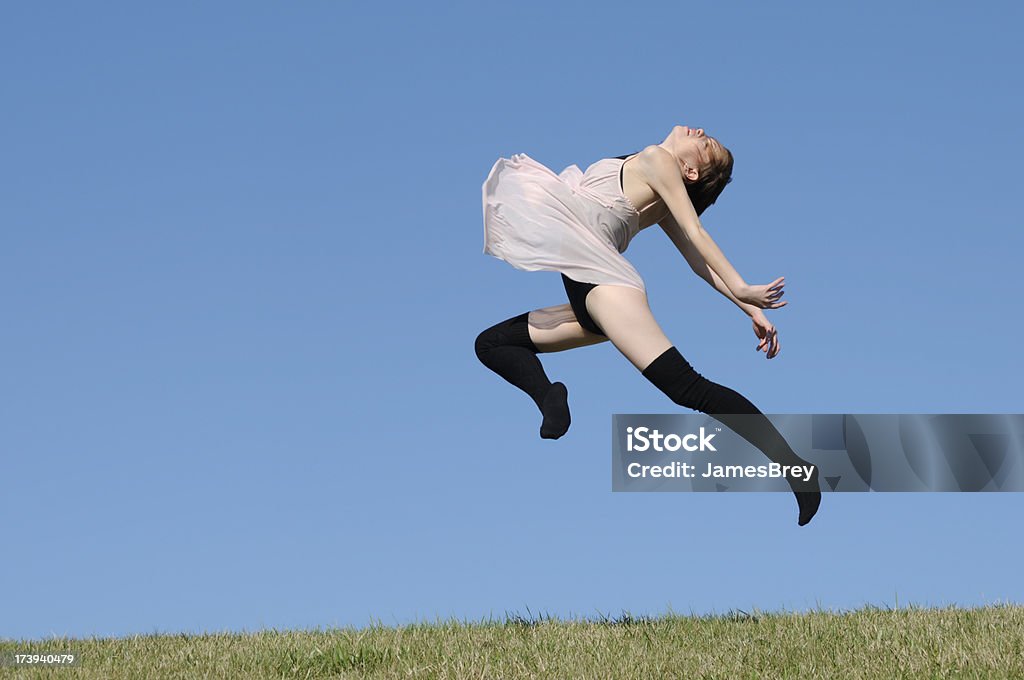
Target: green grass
{"points": [[868, 643]]}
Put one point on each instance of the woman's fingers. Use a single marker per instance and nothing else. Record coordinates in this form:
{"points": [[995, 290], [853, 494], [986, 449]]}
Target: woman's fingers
{"points": [[775, 345], [769, 341], [762, 336], [768, 337]]}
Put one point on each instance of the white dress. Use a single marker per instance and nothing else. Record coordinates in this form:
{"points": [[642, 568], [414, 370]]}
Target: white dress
{"points": [[577, 223]]}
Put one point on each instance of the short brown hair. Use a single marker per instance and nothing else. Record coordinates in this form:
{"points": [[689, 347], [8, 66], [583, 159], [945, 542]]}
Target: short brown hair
{"points": [[711, 180]]}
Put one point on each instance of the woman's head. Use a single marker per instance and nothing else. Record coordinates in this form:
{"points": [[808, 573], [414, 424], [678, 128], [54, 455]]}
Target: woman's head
{"points": [[707, 165]]}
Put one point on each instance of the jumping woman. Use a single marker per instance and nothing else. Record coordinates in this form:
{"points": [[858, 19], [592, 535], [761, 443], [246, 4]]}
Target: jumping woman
{"points": [[579, 224]]}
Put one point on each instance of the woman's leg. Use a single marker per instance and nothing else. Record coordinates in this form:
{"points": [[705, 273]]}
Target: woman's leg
{"points": [[510, 348], [556, 329], [625, 316]]}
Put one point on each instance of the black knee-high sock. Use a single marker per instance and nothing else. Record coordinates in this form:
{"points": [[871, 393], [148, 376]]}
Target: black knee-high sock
{"points": [[673, 375], [506, 349]]}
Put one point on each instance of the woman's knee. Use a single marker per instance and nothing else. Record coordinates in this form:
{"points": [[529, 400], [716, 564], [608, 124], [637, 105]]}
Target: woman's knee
{"points": [[672, 374], [510, 332]]}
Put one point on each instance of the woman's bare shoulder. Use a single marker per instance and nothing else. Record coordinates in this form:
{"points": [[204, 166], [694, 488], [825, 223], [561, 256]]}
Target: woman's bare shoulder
{"points": [[639, 183], [655, 157]]}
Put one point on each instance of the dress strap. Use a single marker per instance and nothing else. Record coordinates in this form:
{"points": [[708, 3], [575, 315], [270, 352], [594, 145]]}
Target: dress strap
{"points": [[622, 188]]}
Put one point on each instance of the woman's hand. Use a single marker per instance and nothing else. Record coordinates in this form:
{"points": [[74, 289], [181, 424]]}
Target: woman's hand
{"points": [[765, 296], [766, 332]]}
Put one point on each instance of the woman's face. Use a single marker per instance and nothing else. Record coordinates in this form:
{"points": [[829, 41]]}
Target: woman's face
{"points": [[695, 149]]}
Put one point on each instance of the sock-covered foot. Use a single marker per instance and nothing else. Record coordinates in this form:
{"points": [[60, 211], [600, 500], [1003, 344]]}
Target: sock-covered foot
{"points": [[555, 408], [808, 496]]}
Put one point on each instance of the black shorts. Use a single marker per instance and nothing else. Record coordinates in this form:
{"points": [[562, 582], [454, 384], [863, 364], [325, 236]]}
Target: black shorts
{"points": [[577, 293]]}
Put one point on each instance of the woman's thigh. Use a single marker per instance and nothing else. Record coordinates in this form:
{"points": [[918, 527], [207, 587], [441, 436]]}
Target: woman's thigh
{"points": [[555, 328], [624, 314]]}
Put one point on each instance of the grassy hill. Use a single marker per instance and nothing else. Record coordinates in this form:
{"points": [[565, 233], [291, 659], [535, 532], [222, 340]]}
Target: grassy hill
{"points": [[868, 643]]}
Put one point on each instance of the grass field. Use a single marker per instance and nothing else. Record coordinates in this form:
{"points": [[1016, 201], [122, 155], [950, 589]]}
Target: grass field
{"points": [[868, 643]]}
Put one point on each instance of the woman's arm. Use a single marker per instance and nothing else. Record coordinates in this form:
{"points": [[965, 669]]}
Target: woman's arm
{"points": [[661, 171], [662, 174], [767, 334], [699, 265]]}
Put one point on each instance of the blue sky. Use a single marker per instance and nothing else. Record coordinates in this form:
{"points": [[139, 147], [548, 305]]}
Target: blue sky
{"points": [[241, 258]]}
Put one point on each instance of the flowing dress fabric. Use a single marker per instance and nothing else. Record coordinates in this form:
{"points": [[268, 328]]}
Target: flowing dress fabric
{"points": [[577, 223]]}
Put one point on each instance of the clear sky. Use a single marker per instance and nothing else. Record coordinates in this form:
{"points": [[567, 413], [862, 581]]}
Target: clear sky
{"points": [[242, 270]]}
